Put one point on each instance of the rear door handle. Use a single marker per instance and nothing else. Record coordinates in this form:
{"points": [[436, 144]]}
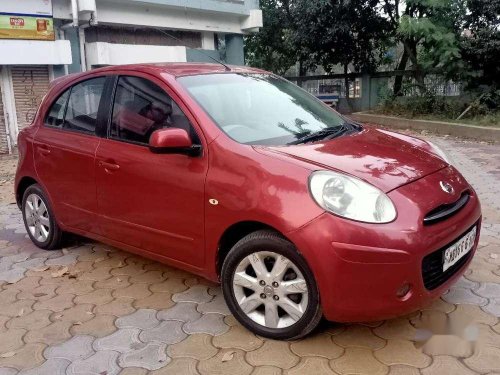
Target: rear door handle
{"points": [[109, 166], [44, 150]]}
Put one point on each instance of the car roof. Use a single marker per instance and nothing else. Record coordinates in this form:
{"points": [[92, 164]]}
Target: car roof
{"points": [[173, 69]]}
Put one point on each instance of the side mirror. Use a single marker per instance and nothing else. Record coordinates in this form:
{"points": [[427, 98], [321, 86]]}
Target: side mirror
{"points": [[173, 141]]}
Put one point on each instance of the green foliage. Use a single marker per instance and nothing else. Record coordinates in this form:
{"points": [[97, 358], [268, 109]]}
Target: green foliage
{"points": [[272, 48]]}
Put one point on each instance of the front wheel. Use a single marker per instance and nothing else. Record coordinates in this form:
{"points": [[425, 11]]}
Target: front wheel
{"points": [[39, 219], [269, 287]]}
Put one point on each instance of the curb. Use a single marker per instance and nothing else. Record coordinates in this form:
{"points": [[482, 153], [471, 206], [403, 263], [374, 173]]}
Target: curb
{"points": [[480, 133]]}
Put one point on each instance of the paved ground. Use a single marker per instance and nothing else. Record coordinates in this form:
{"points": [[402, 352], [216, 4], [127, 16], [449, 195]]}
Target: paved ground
{"points": [[92, 309]]}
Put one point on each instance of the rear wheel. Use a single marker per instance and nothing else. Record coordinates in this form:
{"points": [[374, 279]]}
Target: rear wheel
{"points": [[39, 219], [269, 287]]}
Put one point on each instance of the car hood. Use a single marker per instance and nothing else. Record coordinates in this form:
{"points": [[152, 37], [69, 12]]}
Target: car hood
{"points": [[384, 159]]}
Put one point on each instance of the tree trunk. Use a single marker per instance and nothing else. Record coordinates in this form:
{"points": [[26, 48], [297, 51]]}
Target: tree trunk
{"points": [[302, 72], [398, 82], [419, 74]]}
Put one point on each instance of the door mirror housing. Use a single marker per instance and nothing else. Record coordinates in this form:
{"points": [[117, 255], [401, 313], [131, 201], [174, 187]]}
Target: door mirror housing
{"points": [[173, 141]]}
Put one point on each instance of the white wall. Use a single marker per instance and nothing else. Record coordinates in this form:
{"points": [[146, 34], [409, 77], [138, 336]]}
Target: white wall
{"points": [[148, 14], [35, 52], [100, 53]]}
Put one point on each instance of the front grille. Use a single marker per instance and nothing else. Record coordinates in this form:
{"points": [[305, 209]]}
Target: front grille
{"points": [[446, 210], [432, 266]]}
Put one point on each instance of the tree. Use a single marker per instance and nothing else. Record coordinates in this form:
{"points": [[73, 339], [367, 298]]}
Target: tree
{"points": [[480, 43], [427, 30], [272, 48], [339, 32]]}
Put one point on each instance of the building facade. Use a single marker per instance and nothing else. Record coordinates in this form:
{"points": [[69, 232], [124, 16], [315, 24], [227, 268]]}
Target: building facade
{"points": [[43, 39]]}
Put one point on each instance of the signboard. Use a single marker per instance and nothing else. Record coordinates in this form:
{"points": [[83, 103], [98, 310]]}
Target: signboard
{"points": [[26, 19]]}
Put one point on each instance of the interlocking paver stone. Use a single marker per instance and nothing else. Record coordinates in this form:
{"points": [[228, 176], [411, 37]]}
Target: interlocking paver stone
{"points": [[8, 371], [312, 365], [360, 336], [50, 367], [142, 319], [98, 326], [117, 307], [52, 334], [65, 260], [30, 264], [212, 324], [33, 320], [78, 347], [103, 362], [493, 307], [11, 340], [358, 361], [235, 365], [447, 365], [320, 345], [462, 295], [12, 275], [184, 366], [152, 357], [122, 341], [402, 352], [168, 332], [273, 353], [197, 293], [241, 338], [182, 311], [197, 346], [217, 305]]}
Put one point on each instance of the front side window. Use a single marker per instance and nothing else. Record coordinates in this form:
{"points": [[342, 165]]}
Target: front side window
{"points": [[141, 107], [83, 105], [55, 116], [260, 108]]}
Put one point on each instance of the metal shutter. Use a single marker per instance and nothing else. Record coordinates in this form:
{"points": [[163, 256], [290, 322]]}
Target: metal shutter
{"points": [[3, 133], [30, 84]]}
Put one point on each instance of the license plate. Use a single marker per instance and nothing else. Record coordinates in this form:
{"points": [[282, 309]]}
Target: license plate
{"points": [[458, 250]]}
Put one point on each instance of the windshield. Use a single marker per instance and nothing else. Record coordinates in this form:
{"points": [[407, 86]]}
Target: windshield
{"points": [[260, 109]]}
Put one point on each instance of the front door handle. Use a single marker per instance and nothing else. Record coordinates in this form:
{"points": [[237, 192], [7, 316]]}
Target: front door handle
{"points": [[109, 166]]}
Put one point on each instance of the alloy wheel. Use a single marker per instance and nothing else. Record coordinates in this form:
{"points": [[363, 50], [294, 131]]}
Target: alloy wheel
{"points": [[37, 217], [270, 289]]}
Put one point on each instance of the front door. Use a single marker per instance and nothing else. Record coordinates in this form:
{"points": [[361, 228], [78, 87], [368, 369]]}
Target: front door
{"points": [[150, 201], [65, 147]]}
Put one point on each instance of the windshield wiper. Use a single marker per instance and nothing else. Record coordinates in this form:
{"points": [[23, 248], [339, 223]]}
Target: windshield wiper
{"points": [[330, 133]]}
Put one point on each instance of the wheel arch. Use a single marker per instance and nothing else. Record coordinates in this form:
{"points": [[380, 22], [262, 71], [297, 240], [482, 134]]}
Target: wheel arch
{"points": [[24, 183], [233, 234]]}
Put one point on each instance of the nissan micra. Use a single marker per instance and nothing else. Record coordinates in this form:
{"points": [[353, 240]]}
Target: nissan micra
{"points": [[241, 177]]}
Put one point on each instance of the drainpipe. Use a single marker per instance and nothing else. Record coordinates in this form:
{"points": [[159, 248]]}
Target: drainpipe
{"points": [[74, 10]]}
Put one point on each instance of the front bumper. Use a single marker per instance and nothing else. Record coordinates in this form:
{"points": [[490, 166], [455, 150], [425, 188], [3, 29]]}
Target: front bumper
{"points": [[360, 267]]}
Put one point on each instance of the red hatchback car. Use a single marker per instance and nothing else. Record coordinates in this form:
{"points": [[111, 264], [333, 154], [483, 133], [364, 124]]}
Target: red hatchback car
{"points": [[241, 177]]}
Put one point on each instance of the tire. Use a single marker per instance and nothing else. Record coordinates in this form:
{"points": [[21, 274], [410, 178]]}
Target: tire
{"points": [[272, 311], [50, 237]]}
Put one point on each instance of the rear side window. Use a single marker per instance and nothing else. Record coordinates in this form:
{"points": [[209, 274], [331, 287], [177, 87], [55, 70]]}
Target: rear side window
{"points": [[83, 105], [55, 117]]}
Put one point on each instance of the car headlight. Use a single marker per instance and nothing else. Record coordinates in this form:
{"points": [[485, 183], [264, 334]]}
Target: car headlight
{"points": [[350, 197], [439, 152]]}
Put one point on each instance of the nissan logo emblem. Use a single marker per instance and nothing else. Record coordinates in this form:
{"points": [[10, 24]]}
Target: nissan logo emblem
{"points": [[447, 188]]}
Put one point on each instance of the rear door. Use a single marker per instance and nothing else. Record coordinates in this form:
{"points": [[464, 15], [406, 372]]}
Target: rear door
{"points": [[65, 147], [154, 202]]}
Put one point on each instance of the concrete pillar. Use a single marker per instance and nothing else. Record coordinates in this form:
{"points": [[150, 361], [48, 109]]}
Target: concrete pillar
{"points": [[207, 40], [234, 49], [365, 92]]}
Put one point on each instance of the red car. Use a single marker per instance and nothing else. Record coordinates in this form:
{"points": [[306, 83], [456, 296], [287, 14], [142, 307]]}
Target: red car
{"points": [[241, 177]]}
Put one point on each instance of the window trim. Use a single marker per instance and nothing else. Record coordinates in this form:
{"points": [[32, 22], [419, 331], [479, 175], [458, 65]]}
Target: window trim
{"points": [[112, 108], [70, 90], [47, 113]]}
